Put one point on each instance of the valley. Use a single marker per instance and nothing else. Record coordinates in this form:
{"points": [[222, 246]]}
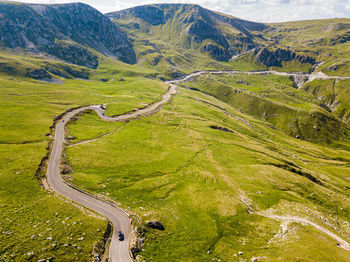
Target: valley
{"points": [[196, 135]]}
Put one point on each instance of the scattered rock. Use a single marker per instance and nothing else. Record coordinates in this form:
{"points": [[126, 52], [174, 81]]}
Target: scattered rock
{"points": [[240, 253], [66, 169], [96, 258]]}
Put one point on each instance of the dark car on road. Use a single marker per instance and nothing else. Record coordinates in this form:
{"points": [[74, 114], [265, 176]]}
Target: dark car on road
{"points": [[120, 236]]}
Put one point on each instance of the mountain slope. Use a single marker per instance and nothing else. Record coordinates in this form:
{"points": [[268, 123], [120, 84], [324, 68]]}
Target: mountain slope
{"points": [[179, 38], [327, 40], [71, 32], [192, 26]]}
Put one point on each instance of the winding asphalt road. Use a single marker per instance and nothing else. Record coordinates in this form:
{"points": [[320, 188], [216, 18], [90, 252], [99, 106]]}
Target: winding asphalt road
{"points": [[119, 250]]}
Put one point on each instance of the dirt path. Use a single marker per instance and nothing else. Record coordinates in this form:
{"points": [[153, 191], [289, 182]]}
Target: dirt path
{"points": [[294, 219]]}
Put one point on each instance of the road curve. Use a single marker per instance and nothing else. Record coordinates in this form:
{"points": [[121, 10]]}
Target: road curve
{"points": [[119, 250]]}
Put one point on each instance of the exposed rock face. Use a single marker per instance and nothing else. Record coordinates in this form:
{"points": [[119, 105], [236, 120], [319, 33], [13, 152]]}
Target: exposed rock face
{"points": [[72, 53], [202, 26], [341, 39], [275, 58], [10, 70], [39, 74], [65, 31], [86, 25], [155, 225], [21, 26], [219, 53]]}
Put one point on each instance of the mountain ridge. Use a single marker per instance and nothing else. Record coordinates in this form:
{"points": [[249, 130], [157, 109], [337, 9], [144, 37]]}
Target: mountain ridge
{"points": [[200, 25], [194, 28]]}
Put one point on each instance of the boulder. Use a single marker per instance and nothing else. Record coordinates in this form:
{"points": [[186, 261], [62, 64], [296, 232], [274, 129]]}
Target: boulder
{"points": [[155, 225]]}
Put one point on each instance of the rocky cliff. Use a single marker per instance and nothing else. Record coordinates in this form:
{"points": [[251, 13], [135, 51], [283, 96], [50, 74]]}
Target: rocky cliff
{"points": [[276, 57], [71, 32]]}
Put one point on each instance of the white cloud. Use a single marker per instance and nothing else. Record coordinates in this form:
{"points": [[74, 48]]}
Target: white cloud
{"points": [[255, 10]]}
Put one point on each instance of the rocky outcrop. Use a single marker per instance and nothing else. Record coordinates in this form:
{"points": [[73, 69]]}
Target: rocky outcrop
{"points": [[340, 39], [73, 53], [5, 68], [275, 58], [39, 74], [66, 31], [219, 53]]}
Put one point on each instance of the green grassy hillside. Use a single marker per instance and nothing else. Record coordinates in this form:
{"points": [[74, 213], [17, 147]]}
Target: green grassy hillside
{"points": [[274, 99], [178, 168], [334, 94], [327, 40]]}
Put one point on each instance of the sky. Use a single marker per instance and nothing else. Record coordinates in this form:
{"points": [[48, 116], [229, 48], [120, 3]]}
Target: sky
{"points": [[254, 10]]}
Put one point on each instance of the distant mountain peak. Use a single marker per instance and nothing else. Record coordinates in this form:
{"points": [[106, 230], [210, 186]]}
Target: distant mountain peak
{"points": [[210, 31]]}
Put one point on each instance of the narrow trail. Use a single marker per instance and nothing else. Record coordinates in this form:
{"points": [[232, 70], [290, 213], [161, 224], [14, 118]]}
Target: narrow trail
{"points": [[119, 250], [294, 219], [286, 219]]}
